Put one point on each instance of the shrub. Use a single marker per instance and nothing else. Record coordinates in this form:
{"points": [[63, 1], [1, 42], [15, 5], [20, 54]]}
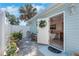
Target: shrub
{"points": [[16, 36], [11, 49]]}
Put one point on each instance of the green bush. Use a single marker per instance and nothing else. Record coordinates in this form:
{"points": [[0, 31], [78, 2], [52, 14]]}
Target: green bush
{"points": [[11, 49], [16, 36]]}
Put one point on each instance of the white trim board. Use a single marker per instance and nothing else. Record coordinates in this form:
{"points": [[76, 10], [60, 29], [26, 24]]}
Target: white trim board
{"points": [[63, 24]]}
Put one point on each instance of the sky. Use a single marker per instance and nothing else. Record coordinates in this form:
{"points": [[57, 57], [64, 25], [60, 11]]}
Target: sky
{"points": [[13, 8]]}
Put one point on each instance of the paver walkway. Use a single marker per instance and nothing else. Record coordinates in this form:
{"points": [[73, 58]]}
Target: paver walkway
{"points": [[28, 48]]}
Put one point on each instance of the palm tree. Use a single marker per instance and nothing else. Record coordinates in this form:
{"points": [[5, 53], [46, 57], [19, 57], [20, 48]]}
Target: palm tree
{"points": [[27, 12]]}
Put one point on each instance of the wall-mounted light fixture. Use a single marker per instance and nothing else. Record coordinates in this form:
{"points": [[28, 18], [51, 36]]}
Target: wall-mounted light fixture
{"points": [[72, 9]]}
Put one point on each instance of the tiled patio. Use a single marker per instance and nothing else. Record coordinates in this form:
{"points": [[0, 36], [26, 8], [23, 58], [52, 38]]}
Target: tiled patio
{"points": [[29, 48]]}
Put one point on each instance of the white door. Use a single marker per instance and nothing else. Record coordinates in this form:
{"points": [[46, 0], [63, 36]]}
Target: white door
{"points": [[43, 32]]}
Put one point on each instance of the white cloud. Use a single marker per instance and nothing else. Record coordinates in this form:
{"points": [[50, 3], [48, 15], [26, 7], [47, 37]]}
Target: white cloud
{"points": [[15, 10], [22, 23], [11, 10], [39, 8]]}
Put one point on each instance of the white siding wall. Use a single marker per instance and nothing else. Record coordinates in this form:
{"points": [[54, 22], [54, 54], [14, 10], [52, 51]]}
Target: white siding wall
{"points": [[72, 30], [71, 27], [33, 27]]}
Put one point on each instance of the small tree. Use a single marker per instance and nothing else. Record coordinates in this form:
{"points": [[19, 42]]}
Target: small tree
{"points": [[12, 19]]}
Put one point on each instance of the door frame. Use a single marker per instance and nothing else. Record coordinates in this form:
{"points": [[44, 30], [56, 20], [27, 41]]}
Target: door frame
{"points": [[63, 25]]}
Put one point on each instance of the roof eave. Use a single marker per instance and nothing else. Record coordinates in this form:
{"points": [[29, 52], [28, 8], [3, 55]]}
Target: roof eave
{"points": [[45, 12]]}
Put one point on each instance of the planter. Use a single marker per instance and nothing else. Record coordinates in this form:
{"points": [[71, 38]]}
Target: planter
{"points": [[17, 49]]}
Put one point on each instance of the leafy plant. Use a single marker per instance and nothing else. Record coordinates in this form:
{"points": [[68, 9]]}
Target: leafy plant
{"points": [[42, 23], [12, 19], [16, 36], [11, 49]]}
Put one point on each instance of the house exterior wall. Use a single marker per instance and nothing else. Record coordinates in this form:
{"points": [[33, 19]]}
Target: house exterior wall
{"points": [[71, 26], [71, 30], [33, 27]]}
